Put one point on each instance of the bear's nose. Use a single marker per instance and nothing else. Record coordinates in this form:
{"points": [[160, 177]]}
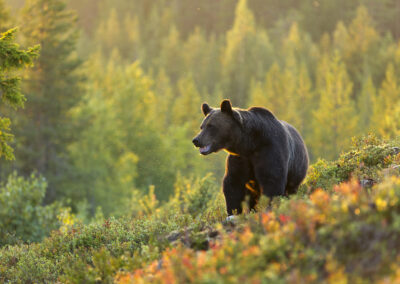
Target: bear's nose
{"points": [[196, 141]]}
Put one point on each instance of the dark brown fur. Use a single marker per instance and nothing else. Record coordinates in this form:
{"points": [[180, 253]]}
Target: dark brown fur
{"points": [[266, 156]]}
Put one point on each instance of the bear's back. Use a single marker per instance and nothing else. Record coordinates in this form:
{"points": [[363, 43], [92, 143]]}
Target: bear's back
{"points": [[262, 112]]}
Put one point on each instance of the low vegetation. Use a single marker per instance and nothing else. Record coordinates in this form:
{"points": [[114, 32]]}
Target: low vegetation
{"points": [[337, 229]]}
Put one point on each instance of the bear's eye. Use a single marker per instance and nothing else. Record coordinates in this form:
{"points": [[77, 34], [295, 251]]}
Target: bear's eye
{"points": [[211, 126]]}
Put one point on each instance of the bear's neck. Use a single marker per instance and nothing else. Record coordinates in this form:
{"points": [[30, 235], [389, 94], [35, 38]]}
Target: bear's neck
{"points": [[238, 146], [231, 152]]}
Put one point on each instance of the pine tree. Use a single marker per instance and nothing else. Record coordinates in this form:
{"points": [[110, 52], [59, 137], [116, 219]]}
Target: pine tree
{"points": [[187, 105], [247, 55], [121, 35], [154, 29], [52, 87], [271, 92], [365, 104], [299, 56], [299, 45], [122, 147], [386, 104], [185, 124], [302, 101], [335, 120], [201, 55], [109, 33], [11, 58], [165, 98], [319, 17], [257, 94], [104, 169], [171, 56], [359, 48], [288, 94]]}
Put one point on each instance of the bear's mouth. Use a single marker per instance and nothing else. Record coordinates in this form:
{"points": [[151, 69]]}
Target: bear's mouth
{"points": [[205, 150]]}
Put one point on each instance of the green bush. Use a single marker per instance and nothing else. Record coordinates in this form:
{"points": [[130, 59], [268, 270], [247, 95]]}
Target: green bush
{"points": [[22, 215], [325, 236], [193, 195], [347, 235], [365, 160], [80, 253]]}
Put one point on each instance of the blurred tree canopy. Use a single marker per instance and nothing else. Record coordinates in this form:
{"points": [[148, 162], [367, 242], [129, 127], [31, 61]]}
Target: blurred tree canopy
{"points": [[114, 99]]}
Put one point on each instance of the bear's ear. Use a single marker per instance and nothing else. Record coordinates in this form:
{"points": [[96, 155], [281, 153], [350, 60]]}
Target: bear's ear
{"points": [[226, 106], [206, 108]]}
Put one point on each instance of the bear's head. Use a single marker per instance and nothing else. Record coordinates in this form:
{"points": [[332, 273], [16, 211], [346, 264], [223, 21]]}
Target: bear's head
{"points": [[219, 129]]}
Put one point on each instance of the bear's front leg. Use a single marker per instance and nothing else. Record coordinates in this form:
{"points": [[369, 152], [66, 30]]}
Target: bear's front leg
{"points": [[234, 184], [270, 169], [234, 196]]}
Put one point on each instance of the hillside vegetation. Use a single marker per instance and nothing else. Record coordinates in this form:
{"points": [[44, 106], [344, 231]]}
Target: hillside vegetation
{"points": [[99, 103], [113, 96], [334, 230]]}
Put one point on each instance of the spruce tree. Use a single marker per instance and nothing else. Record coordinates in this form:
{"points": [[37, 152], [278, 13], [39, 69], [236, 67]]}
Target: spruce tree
{"points": [[187, 105], [247, 55], [122, 148], [123, 35], [201, 55], [104, 169], [271, 92], [302, 101], [359, 45], [335, 120], [171, 55], [385, 105], [12, 58], [165, 98], [52, 87], [365, 104], [299, 56]]}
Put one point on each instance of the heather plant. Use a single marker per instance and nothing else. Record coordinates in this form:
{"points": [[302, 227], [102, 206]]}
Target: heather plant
{"points": [[327, 237], [78, 252], [111, 107], [347, 232]]}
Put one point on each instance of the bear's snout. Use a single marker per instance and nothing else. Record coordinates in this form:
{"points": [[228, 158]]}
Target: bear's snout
{"points": [[196, 142]]}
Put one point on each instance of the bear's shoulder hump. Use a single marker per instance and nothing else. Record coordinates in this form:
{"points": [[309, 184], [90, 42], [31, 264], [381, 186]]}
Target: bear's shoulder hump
{"points": [[261, 111]]}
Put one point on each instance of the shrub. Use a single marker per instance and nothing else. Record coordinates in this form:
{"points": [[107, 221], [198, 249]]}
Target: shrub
{"points": [[348, 235], [22, 215], [79, 253], [365, 160]]}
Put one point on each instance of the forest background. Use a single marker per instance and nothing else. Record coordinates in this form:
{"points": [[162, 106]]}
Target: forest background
{"points": [[113, 99]]}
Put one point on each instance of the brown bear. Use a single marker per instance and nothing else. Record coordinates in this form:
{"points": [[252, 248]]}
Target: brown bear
{"points": [[266, 155]]}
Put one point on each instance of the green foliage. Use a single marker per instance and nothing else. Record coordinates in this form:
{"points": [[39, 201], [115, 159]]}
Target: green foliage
{"points": [[22, 215], [114, 143], [193, 196], [247, 55], [386, 104], [364, 161], [44, 128], [12, 58], [323, 238], [94, 252], [120, 147], [317, 237], [334, 105], [365, 104]]}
